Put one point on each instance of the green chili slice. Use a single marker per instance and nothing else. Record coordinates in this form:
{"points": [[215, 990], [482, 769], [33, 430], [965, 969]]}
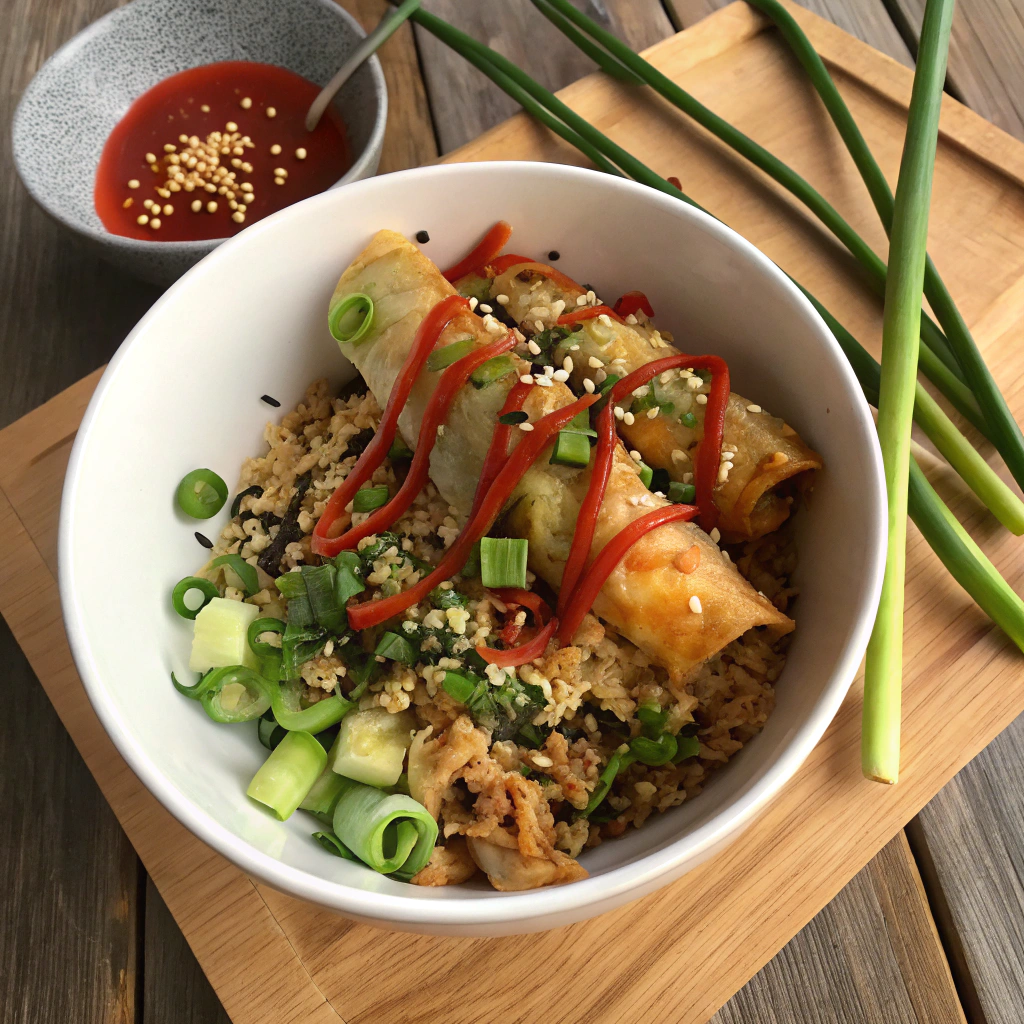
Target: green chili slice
{"points": [[494, 369], [201, 494], [187, 586], [443, 357], [242, 569], [257, 628], [351, 319]]}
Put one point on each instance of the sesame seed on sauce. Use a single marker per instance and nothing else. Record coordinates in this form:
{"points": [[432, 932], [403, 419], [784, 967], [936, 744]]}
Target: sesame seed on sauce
{"points": [[695, 605], [473, 303], [594, 363], [300, 154], [422, 237], [204, 540], [652, 413], [502, 300], [271, 112], [270, 401], [275, 150], [619, 414]]}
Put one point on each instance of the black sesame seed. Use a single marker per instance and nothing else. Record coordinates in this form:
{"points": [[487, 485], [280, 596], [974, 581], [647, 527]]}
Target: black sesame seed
{"points": [[422, 237], [554, 255], [270, 401], [205, 541]]}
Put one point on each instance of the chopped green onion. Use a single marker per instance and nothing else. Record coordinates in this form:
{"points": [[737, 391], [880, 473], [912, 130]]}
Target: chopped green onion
{"points": [[580, 424], [494, 369], [688, 420], [443, 357], [387, 831], [366, 499], [330, 842], [503, 559], [323, 794], [285, 778], [654, 752], [617, 764], [571, 449], [459, 687], [234, 694], [686, 746], [268, 624], [397, 648], [351, 319], [472, 567], [291, 584], [399, 450], [608, 383], [201, 494], [653, 719], [320, 583], [347, 582], [646, 474], [510, 419], [681, 494], [189, 585], [246, 573]]}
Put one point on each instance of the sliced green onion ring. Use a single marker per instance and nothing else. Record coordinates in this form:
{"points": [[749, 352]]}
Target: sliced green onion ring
{"points": [[351, 319], [503, 559], [201, 494], [330, 842], [257, 628], [242, 569], [188, 585]]}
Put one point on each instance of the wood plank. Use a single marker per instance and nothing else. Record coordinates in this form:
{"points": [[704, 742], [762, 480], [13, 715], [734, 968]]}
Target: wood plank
{"points": [[868, 20], [986, 56], [68, 874], [464, 103], [872, 954]]}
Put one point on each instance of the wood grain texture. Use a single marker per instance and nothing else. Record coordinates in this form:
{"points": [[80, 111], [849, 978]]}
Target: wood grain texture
{"points": [[986, 56], [464, 103], [871, 955], [867, 20]]}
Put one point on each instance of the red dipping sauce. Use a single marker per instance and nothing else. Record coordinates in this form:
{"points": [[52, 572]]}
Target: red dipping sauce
{"points": [[245, 108]]}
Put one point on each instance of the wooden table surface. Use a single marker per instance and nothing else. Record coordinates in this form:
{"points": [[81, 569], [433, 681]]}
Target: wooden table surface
{"points": [[85, 937]]}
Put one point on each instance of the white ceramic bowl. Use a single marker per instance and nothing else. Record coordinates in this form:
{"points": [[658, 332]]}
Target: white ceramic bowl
{"points": [[184, 391]]}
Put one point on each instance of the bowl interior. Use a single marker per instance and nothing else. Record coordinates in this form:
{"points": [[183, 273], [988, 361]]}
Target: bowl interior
{"points": [[176, 398], [78, 96]]}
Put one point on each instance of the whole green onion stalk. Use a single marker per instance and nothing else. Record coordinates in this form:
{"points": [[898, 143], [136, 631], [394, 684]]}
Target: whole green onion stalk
{"points": [[883, 674], [961, 342], [965, 562]]}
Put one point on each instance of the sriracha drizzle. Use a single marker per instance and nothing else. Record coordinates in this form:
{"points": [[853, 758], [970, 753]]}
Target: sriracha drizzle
{"points": [[266, 105]]}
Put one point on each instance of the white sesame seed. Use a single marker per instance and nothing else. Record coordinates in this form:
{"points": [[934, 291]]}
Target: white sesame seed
{"points": [[591, 297], [694, 383], [300, 154], [548, 370], [280, 172], [484, 308], [533, 348], [635, 456], [271, 112], [695, 605], [702, 399], [539, 325], [170, 147], [725, 555], [629, 419], [275, 149], [605, 319], [652, 414], [715, 534], [581, 300], [642, 391], [753, 408], [574, 348], [567, 364], [594, 363], [619, 413], [678, 455], [630, 319], [245, 103], [473, 302], [600, 376], [588, 385], [723, 473], [544, 382], [560, 375], [502, 300], [526, 379], [150, 158], [687, 478], [526, 426], [520, 337]]}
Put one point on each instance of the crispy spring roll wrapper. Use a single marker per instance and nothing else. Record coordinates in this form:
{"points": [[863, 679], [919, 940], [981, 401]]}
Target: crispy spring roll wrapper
{"points": [[647, 597], [768, 452]]}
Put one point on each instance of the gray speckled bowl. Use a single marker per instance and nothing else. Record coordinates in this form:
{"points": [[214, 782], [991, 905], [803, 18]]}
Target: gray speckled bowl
{"points": [[85, 88]]}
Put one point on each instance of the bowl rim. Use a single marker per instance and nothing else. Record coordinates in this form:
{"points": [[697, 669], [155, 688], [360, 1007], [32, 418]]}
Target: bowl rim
{"points": [[139, 245], [507, 910]]}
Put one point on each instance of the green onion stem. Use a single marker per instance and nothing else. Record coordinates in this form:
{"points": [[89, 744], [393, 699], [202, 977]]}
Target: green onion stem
{"points": [[883, 672], [588, 139], [288, 774], [961, 342]]}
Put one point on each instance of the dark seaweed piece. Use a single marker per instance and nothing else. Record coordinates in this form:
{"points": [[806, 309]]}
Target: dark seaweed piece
{"points": [[357, 442], [204, 540], [290, 531], [569, 732], [422, 237], [237, 503], [270, 401]]}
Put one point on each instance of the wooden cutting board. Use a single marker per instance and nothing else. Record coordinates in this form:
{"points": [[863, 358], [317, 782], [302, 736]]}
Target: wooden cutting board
{"points": [[679, 954]]}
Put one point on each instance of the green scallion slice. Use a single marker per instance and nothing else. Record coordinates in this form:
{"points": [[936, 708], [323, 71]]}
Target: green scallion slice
{"points": [[646, 474], [242, 569], [686, 746], [399, 450], [503, 559], [494, 369], [290, 584], [191, 584], [285, 778], [458, 686], [201, 494], [366, 499], [580, 424], [571, 449], [320, 589], [257, 628], [681, 494], [654, 753], [351, 319], [688, 420], [443, 357], [347, 581], [397, 648]]}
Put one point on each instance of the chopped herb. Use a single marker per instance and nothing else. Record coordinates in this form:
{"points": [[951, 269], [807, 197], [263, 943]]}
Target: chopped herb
{"points": [[688, 420], [397, 648], [450, 598]]}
